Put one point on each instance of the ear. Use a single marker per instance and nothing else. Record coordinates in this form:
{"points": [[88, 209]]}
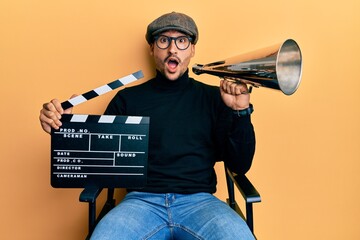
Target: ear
{"points": [[192, 50], [151, 49]]}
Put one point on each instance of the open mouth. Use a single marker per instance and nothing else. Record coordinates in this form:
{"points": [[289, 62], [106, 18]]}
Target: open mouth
{"points": [[172, 63]]}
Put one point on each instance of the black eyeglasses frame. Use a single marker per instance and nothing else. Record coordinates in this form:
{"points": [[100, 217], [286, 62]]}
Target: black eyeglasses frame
{"points": [[170, 39]]}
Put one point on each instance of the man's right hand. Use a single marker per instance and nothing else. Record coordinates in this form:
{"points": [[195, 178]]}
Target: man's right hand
{"points": [[50, 115]]}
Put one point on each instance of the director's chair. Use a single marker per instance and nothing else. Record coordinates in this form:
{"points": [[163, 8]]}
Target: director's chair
{"points": [[243, 184]]}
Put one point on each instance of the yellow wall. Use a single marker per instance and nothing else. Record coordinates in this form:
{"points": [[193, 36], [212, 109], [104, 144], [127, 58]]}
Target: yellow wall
{"points": [[308, 145]]}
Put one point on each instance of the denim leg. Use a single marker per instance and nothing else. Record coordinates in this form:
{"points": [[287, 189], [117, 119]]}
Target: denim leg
{"points": [[150, 216], [138, 216], [208, 218]]}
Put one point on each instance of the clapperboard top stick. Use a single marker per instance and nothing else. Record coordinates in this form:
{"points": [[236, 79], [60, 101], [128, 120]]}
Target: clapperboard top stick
{"points": [[102, 90]]}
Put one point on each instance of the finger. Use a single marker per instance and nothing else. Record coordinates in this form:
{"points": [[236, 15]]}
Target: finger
{"points": [[226, 86], [237, 88], [57, 106], [223, 85], [50, 111], [49, 120], [234, 88], [46, 127], [54, 106], [242, 88]]}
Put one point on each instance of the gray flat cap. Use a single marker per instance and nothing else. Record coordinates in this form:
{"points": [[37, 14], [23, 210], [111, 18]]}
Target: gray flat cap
{"points": [[172, 21]]}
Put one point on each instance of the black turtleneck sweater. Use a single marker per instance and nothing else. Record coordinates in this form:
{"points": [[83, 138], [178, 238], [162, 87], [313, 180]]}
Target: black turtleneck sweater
{"points": [[190, 129]]}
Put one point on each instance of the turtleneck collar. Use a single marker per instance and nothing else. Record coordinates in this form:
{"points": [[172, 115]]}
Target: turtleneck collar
{"points": [[161, 82]]}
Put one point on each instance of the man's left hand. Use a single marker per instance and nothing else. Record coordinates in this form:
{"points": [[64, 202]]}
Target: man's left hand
{"points": [[235, 94]]}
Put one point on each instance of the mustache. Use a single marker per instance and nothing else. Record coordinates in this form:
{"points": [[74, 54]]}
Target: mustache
{"points": [[172, 56]]}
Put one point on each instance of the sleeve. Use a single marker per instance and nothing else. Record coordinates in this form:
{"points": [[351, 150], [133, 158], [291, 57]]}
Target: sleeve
{"points": [[240, 145], [238, 141]]}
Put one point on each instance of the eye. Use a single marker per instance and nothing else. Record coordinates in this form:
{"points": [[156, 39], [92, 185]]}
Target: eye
{"points": [[182, 40], [163, 39]]}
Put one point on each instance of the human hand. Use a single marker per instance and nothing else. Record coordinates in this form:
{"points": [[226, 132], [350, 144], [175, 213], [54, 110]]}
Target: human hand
{"points": [[50, 115], [235, 94]]}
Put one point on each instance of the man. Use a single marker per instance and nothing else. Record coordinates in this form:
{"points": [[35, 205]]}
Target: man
{"points": [[192, 125]]}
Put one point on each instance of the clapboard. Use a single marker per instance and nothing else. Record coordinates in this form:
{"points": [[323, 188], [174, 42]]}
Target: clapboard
{"points": [[100, 150]]}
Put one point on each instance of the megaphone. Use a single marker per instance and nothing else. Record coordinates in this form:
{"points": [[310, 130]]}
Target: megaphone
{"points": [[277, 67]]}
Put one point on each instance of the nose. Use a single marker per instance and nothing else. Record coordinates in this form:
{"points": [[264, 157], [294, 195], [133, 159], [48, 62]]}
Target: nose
{"points": [[172, 48]]}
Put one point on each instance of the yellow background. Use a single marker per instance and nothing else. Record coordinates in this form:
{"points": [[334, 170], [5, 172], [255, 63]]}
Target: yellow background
{"points": [[307, 161]]}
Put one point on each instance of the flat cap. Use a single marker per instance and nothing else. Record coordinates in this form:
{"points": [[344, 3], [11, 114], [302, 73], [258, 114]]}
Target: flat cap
{"points": [[172, 21]]}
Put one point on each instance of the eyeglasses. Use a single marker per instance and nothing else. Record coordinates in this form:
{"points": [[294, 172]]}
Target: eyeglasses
{"points": [[182, 42]]}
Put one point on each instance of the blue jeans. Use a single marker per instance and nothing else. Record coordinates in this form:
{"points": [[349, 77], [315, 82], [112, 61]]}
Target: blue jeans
{"points": [[171, 216]]}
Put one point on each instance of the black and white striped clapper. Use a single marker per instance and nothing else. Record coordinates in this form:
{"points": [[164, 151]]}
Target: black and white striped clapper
{"points": [[100, 150], [102, 90]]}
